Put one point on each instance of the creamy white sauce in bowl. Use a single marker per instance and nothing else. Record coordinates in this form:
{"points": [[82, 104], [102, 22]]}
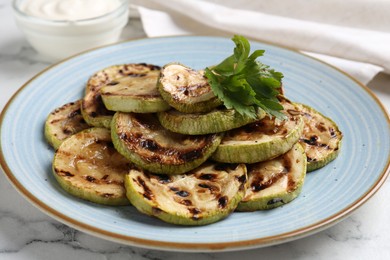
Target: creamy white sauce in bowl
{"points": [[60, 28], [68, 10]]}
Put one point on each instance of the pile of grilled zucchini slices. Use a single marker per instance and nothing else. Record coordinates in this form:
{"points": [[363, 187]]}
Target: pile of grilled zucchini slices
{"points": [[157, 138]]}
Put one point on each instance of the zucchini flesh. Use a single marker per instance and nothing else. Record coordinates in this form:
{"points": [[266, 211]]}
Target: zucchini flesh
{"points": [[142, 139], [87, 166], [203, 196], [275, 182], [134, 94], [93, 109], [186, 90], [321, 138], [63, 122]]}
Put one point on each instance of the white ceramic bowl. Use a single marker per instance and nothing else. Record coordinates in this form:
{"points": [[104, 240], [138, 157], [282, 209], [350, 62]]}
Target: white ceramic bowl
{"points": [[57, 40]]}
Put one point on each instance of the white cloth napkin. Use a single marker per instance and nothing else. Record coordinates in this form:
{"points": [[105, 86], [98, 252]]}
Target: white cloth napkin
{"points": [[353, 35]]}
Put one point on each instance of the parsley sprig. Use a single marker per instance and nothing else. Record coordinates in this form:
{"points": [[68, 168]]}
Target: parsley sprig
{"points": [[243, 83]]}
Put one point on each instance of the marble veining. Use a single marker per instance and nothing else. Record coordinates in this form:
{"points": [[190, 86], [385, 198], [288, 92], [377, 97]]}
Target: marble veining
{"points": [[27, 233]]}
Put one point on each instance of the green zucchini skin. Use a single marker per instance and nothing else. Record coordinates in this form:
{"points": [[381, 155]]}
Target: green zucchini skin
{"points": [[321, 137], [93, 109], [215, 121], [275, 182], [202, 196], [186, 90], [143, 141]]}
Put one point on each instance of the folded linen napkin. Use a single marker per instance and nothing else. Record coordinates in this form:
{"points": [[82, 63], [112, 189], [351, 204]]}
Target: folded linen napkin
{"points": [[353, 35]]}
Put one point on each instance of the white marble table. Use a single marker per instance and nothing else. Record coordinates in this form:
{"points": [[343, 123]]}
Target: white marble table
{"points": [[27, 233]]}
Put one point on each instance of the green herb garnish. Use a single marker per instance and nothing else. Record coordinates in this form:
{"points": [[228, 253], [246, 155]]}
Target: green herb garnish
{"points": [[243, 83]]}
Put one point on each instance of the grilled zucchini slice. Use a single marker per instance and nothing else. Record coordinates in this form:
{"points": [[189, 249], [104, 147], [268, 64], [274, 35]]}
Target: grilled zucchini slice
{"points": [[87, 166], [64, 122], [203, 196], [186, 90], [142, 140], [321, 138], [262, 140], [134, 94], [93, 109], [275, 182], [216, 121]]}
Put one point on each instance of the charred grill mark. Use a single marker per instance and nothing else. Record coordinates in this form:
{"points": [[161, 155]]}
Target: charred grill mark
{"points": [[148, 194], [242, 179], [291, 185], [254, 127], [112, 83], [208, 177], [149, 144], [136, 75], [163, 178], [63, 173], [90, 178], [265, 126], [313, 141], [213, 189], [259, 184], [157, 152], [225, 166], [147, 121], [222, 202], [321, 127], [71, 115], [182, 193], [55, 120], [293, 112], [186, 202], [195, 213], [96, 107], [137, 69], [62, 108], [204, 185], [149, 66], [93, 114], [333, 133], [188, 90], [156, 211], [174, 188], [287, 163], [191, 155], [124, 136], [74, 113], [67, 131]]}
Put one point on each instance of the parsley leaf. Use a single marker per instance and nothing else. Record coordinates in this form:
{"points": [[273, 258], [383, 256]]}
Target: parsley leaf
{"points": [[243, 83]]}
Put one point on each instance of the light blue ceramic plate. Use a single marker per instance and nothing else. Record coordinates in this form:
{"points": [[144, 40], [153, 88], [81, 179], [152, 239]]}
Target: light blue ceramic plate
{"points": [[329, 194]]}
